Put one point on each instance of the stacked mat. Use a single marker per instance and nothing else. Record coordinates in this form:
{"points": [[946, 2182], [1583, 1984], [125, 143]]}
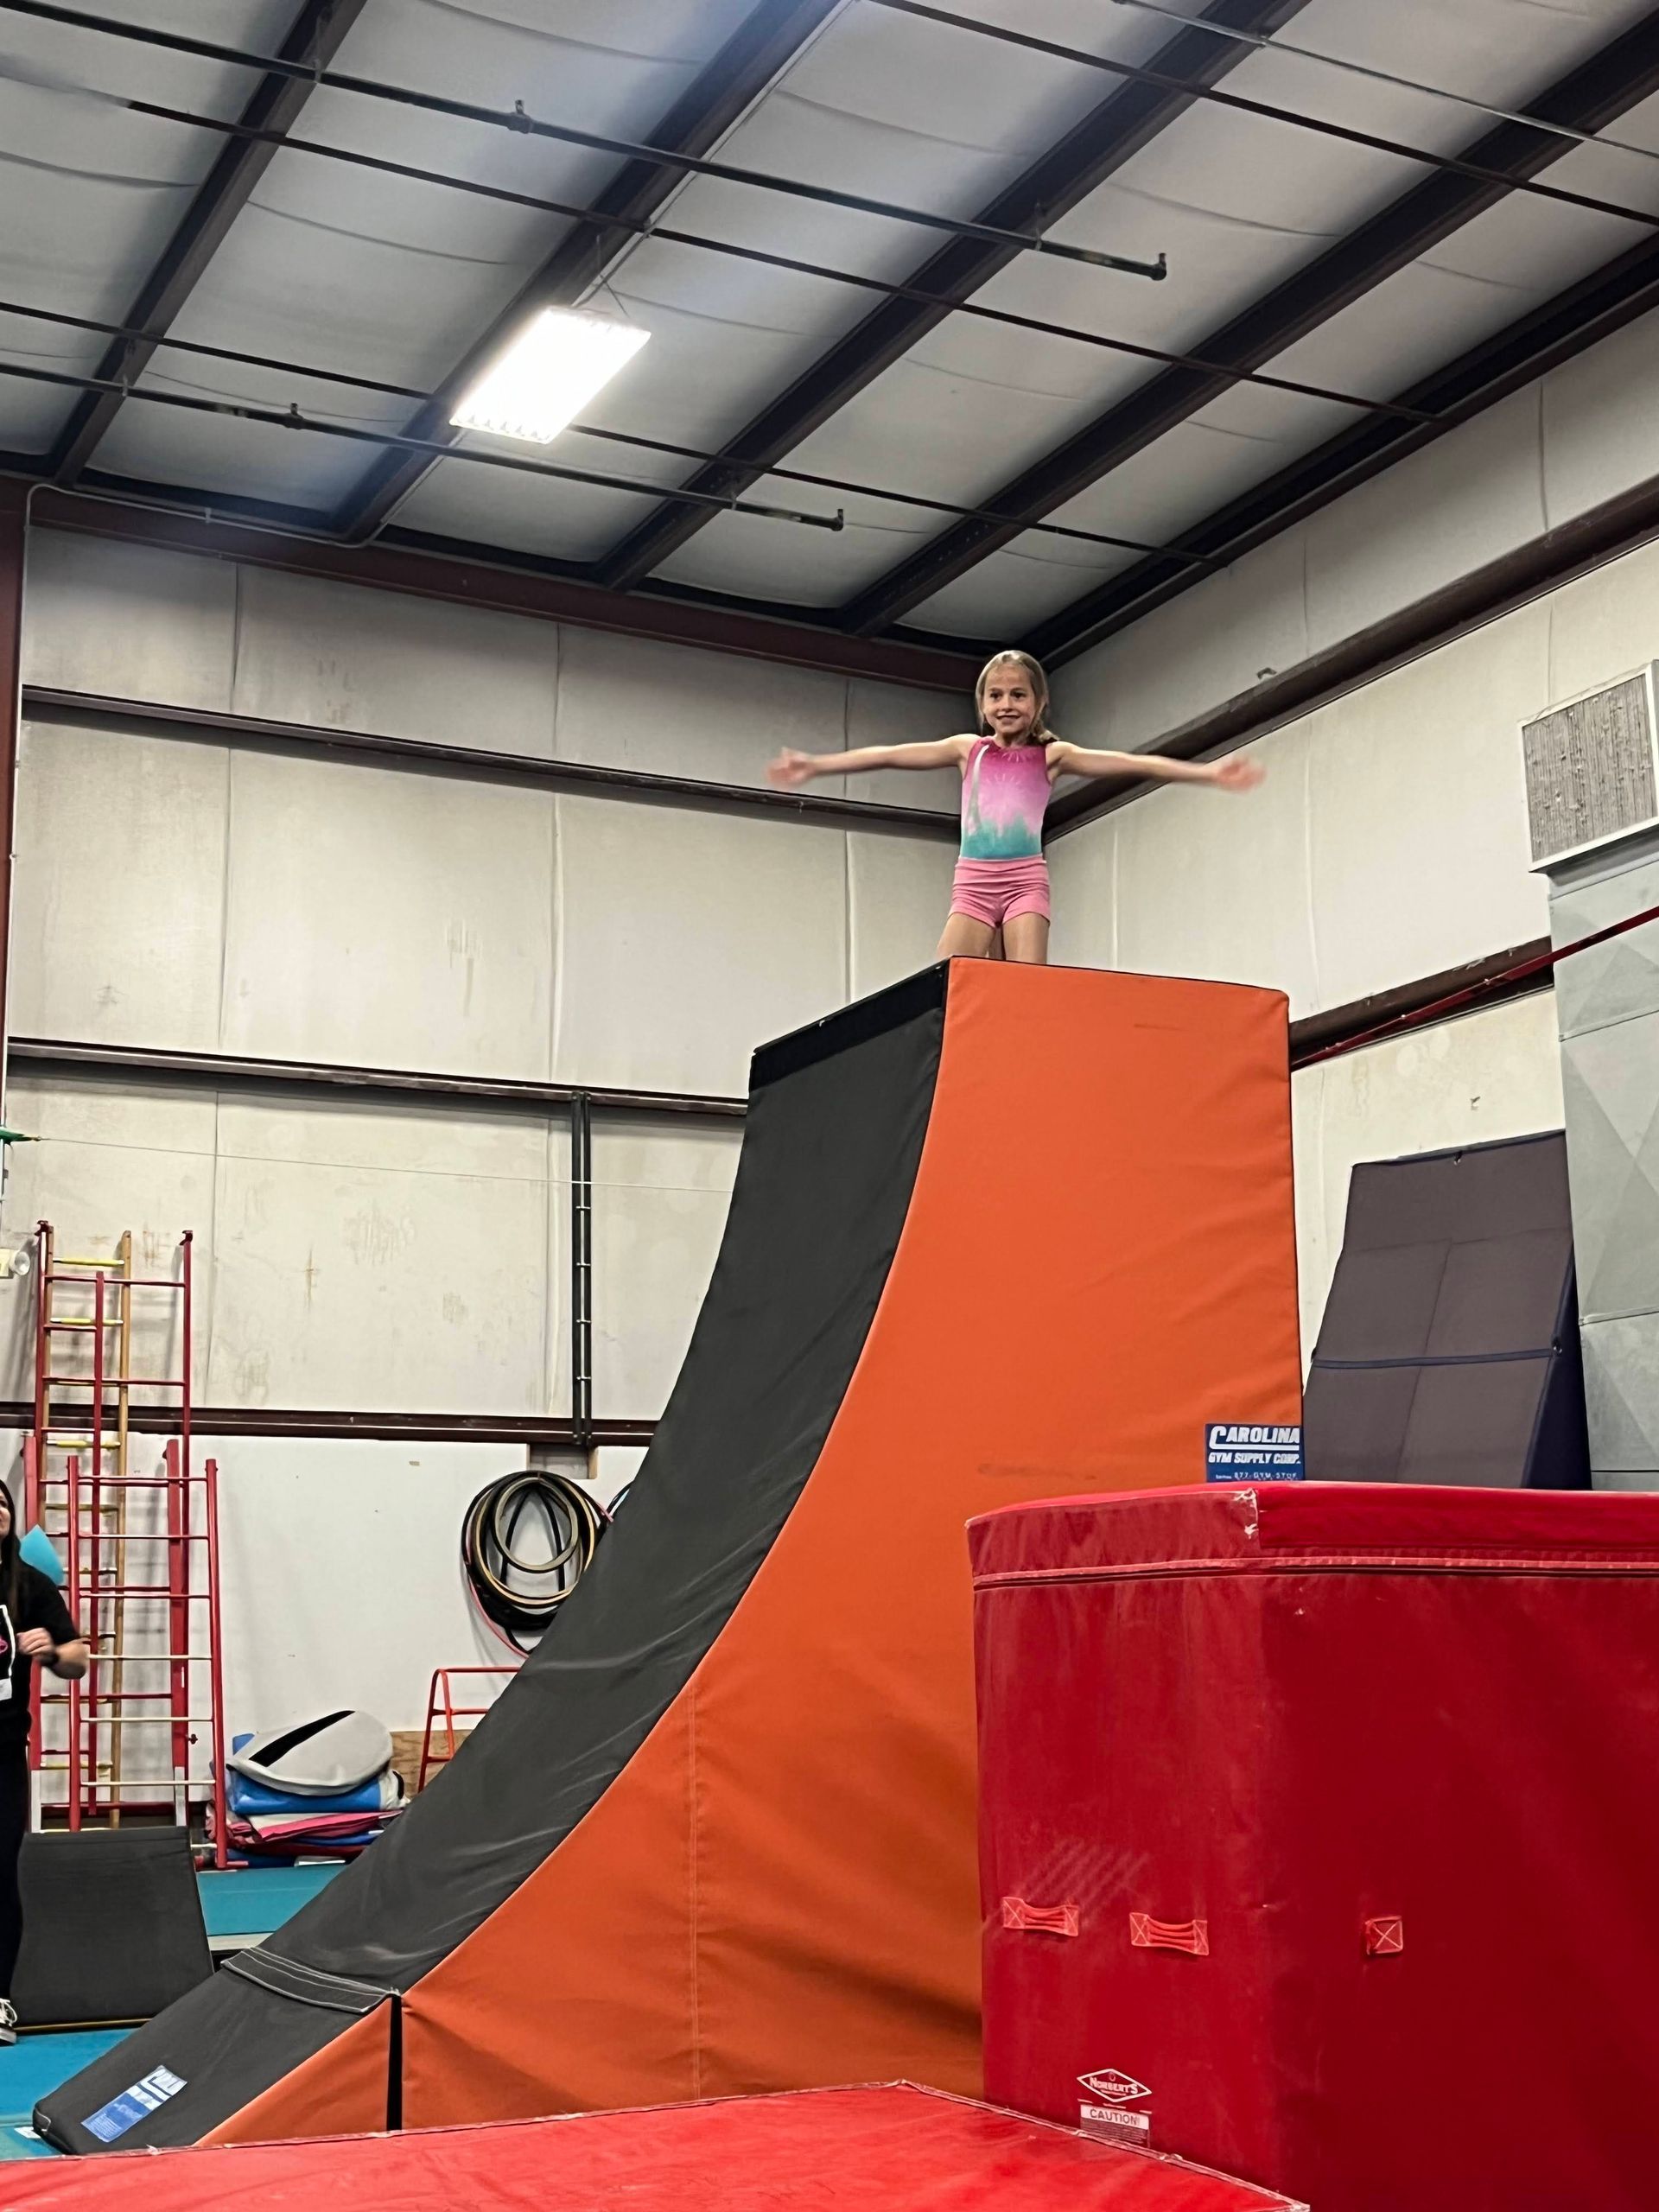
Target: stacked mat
{"points": [[275, 1820], [278, 1793]]}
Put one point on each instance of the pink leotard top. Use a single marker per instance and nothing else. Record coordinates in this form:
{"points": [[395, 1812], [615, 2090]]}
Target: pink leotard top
{"points": [[1004, 797]]}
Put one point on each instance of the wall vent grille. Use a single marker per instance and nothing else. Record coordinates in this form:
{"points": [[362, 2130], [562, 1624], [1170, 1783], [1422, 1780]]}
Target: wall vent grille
{"points": [[1591, 770]]}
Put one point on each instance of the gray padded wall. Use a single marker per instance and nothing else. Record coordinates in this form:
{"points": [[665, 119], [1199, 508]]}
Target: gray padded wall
{"points": [[1607, 1001]]}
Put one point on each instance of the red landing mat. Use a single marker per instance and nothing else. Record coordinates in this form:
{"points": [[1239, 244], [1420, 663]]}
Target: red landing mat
{"points": [[895, 2148]]}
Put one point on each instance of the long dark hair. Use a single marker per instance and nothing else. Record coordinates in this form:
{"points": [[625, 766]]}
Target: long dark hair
{"points": [[11, 1564]]}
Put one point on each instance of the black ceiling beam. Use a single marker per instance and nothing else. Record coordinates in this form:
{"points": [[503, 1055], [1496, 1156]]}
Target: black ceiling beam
{"points": [[314, 37], [755, 55], [1118, 127], [1568, 325], [1613, 80]]}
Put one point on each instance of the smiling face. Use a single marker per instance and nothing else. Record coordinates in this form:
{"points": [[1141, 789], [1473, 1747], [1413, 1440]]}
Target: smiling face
{"points": [[1007, 701]]}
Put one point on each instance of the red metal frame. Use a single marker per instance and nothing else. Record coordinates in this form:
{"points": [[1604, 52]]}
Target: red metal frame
{"points": [[101, 1582], [441, 1685]]}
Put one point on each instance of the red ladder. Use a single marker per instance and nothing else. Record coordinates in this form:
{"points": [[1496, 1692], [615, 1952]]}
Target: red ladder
{"points": [[142, 1550], [441, 1706]]}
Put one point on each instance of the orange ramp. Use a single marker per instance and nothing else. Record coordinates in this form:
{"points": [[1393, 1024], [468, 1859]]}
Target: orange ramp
{"points": [[997, 1233]]}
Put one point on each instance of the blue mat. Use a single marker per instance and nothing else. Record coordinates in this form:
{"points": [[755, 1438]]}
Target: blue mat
{"points": [[35, 2065]]}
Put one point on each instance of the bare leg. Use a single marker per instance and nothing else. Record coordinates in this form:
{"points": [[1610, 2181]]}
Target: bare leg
{"points": [[965, 938], [1026, 939], [996, 951]]}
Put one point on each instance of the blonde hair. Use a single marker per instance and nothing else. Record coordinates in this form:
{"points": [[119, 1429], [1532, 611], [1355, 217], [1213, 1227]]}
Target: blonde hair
{"points": [[1040, 732]]}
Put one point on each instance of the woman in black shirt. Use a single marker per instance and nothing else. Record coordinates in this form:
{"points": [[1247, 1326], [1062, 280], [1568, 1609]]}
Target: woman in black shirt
{"points": [[34, 1630]]}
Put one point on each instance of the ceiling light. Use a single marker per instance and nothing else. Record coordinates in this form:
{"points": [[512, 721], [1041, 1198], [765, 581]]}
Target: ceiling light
{"points": [[548, 374]]}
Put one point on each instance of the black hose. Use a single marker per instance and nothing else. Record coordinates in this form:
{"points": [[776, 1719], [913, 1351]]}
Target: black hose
{"points": [[518, 1596]]}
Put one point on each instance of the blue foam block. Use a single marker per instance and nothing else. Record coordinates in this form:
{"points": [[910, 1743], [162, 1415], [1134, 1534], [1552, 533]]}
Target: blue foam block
{"points": [[37, 1550]]}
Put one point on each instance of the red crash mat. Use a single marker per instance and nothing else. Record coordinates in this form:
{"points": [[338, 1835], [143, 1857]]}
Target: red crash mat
{"points": [[896, 2146], [1319, 1835]]}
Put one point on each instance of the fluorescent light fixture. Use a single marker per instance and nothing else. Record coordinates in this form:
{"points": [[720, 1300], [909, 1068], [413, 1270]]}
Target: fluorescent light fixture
{"points": [[548, 375]]}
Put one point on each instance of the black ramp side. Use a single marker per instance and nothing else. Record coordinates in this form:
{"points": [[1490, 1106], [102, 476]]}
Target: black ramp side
{"points": [[836, 1121], [1449, 1348]]}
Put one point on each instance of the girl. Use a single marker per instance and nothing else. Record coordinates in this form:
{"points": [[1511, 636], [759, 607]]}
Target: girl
{"points": [[34, 1626], [1007, 772]]}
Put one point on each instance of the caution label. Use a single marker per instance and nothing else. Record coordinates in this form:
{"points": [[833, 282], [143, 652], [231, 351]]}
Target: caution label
{"points": [[1105, 2108]]}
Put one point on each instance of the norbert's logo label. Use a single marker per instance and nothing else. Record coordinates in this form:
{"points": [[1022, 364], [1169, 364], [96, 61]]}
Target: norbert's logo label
{"points": [[1116, 2089]]}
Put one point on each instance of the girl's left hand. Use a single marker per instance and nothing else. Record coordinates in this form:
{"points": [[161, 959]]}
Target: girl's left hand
{"points": [[1235, 773], [36, 1643]]}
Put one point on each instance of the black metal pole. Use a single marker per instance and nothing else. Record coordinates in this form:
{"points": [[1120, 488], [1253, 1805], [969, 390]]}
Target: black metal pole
{"points": [[581, 1267]]}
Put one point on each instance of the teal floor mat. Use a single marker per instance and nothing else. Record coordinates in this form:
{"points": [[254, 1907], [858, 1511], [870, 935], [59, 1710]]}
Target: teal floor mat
{"points": [[246, 1903], [35, 2065], [257, 1900]]}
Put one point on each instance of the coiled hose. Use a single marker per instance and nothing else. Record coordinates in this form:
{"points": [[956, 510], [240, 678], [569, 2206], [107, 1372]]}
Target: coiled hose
{"points": [[521, 1607]]}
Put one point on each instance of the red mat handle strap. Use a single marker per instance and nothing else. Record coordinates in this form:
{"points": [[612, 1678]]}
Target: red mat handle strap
{"points": [[1192, 1937], [1040, 1919], [1385, 1933]]}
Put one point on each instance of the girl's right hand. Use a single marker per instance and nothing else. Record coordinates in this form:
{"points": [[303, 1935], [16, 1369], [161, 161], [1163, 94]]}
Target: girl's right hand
{"points": [[791, 770]]}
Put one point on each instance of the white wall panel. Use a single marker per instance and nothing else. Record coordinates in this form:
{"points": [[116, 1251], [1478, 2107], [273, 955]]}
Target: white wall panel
{"points": [[897, 714], [312, 650], [1602, 626], [687, 939], [342, 1581], [1460, 503], [1600, 434], [1214, 642], [388, 918], [139, 1158], [1082, 878], [638, 703], [127, 621], [1216, 883], [1417, 816], [119, 889], [899, 895], [614, 1466], [1487, 1075], [341, 1285], [660, 1201]]}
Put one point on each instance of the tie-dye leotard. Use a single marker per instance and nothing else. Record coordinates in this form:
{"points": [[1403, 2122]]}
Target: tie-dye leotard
{"points": [[1001, 872]]}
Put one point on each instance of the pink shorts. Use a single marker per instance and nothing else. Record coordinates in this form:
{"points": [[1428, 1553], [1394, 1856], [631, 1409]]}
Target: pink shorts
{"points": [[994, 892]]}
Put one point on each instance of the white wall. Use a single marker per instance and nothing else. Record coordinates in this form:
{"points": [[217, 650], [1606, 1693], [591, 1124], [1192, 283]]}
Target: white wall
{"points": [[286, 905], [1471, 1081], [363, 1252], [341, 1583], [1389, 840]]}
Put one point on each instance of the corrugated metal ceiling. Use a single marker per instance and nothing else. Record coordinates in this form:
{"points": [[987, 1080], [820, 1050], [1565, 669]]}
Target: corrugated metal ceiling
{"points": [[341, 269]]}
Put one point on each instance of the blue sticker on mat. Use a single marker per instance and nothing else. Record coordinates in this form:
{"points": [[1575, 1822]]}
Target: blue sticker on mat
{"points": [[1252, 1451], [112, 2120]]}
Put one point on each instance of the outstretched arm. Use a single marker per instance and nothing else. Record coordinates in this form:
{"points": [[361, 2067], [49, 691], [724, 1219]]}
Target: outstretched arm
{"points": [[1235, 773], [791, 770]]}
